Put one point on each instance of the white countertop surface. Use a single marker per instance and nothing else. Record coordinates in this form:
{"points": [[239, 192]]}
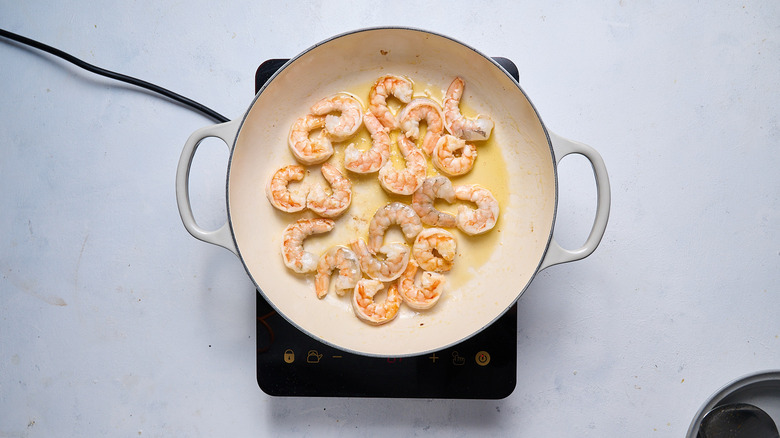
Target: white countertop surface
{"points": [[114, 321]]}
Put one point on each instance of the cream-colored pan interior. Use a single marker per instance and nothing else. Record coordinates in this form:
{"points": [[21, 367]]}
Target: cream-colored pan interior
{"points": [[517, 164]]}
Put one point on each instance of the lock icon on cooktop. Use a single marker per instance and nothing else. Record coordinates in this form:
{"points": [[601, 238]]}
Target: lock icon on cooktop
{"points": [[289, 356]]}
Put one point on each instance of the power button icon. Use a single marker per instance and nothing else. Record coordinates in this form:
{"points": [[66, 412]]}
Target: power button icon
{"points": [[482, 358]]}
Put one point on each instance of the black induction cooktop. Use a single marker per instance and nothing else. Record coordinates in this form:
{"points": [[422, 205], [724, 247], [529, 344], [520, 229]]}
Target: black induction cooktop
{"points": [[291, 363]]}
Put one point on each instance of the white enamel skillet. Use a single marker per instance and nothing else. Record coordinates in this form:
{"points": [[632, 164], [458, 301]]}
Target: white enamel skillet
{"points": [[518, 164]]}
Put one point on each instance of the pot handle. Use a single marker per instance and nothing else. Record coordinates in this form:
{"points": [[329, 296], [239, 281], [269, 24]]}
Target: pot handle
{"points": [[555, 253], [222, 236]]}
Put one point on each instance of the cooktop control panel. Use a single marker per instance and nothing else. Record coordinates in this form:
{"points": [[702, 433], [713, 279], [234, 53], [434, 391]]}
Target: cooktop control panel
{"points": [[292, 363]]}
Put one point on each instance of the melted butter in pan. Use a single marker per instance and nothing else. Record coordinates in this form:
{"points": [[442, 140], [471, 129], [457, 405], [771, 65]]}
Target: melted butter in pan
{"points": [[489, 171]]}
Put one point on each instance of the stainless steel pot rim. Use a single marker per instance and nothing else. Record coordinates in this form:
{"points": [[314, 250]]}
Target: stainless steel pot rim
{"points": [[743, 385]]}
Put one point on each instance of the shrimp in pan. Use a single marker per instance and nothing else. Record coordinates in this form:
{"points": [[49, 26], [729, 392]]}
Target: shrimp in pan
{"points": [[369, 310], [454, 156], [385, 86], [389, 267], [420, 109], [279, 194], [374, 158], [435, 249], [338, 201], [423, 294], [338, 258], [457, 124], [394, 213], [484, 218], [345, 125], [423, 198], [305, 149], [293, 254], [404, 181]]}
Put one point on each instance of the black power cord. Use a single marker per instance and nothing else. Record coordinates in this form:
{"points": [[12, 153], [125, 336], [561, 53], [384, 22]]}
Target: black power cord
{"points": [[117, 76]]}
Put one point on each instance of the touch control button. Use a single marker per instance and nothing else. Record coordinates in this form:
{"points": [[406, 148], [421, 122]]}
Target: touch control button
{"points": [[482, 358], [457, 359]]}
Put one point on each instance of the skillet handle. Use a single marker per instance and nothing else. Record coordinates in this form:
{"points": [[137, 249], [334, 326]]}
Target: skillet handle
{"points": [[222, 236], [555, 253]]}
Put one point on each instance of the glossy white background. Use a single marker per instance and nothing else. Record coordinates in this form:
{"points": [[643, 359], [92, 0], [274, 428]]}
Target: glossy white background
{"points": [[114, 321]]}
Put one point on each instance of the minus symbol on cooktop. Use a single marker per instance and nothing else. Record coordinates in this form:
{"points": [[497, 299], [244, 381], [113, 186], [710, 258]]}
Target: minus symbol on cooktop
{"points": [[336, 357]]}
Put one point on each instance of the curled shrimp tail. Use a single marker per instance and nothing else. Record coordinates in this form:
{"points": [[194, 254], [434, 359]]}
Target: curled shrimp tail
{"points": [[395, 213], [305, 149], [423, 200], [376, 156], [383, 88], [419, 109], [435, 250], [407, 180], [279, 195], [369, 310], [458, 125], [293, 254], [484, 217], [338, 258], [454, 156], [396, 257], [334, 204], [345, 125], [424, 294]]}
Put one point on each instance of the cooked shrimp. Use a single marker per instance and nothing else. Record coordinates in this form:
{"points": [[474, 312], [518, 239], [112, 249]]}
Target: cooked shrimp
{"points": [[305, 149], [279, 194], [423, 198], [454, 156], [346, 262], [395, 259], [434, 249], [457, 124], [417, 110], [422, 295], [293, 254], [484, 218], [369, 310], [345, 125], [393, 213], [404, 181], [399, 87], [374, 158], [341, 193]]}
